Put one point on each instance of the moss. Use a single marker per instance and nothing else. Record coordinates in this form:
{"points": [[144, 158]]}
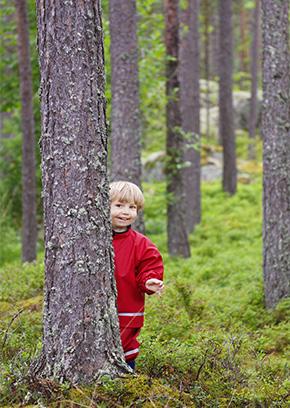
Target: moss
{"points": [[139, 390], [208, 341], [5, 308], [33, 304]]}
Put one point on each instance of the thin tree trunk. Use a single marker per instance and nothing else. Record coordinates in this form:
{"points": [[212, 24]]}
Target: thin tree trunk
{"points": [[226, 116], [205, 4], [8, 51], [29, 226], [189, 106], [178, 244], [276, 162], [254, 82], [125, 120], [81, 338], [243, 25], [214, 43]]}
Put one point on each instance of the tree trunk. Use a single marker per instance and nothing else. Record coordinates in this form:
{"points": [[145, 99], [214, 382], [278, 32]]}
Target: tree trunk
{"points": [[226, 117], [125, 121], [214, 43], [29, 225], [189, 106], [275, 130], [207, 20], [81, 333], [176, 209], [254, 82], [242, 40]]}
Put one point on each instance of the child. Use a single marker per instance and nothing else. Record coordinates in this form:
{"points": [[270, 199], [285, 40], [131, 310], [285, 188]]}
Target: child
{"points": [[138, 265]]}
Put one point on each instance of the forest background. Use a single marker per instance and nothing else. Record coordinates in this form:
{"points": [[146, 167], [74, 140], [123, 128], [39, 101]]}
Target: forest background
{"points": [[226, 349]]}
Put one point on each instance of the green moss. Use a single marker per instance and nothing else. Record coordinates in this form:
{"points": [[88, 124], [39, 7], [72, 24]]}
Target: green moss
{"points": [[207, 341]]}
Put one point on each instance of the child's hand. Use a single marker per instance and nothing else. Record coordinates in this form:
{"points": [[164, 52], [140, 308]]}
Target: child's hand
{"points": [[155, 285]]}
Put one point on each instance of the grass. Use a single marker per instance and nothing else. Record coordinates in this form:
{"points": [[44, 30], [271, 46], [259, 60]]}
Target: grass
{"points": [[207, 342]]}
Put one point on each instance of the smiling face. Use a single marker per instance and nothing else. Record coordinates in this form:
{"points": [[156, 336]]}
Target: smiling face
{"points": [[123, 214]]}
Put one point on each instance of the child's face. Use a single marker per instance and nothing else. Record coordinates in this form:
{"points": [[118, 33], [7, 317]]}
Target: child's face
{"points": [[123, 214]]}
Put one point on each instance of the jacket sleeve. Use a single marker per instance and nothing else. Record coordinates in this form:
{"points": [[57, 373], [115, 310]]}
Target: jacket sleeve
{"points": [[150, 265]]}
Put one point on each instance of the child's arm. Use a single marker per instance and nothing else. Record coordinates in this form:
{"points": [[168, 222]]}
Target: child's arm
{"points": [[150, 269]]}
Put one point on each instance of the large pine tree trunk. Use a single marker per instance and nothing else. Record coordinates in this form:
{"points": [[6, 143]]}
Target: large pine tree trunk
{"points": [[176, 209], [125, 120], [226, 116], [29, 226], [81, 333], [254, 80], [189, 106], [276, 135]]}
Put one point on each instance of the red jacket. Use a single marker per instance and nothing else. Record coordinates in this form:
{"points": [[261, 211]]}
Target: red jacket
{"points": [[136, 260]]}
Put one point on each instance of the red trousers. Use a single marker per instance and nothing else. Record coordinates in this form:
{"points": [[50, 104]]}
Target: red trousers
{"points": [[130, 343]]}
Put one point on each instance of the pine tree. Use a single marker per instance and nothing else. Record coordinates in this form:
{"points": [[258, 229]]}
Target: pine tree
{"points": [[81, 337], [276, 152], [226, 117], [189, 105], [29, 224], [125, 118], [254, 79], [178, 244]]}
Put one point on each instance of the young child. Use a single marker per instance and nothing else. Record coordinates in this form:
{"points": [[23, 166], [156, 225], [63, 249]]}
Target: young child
{"points": [[138, 265]]}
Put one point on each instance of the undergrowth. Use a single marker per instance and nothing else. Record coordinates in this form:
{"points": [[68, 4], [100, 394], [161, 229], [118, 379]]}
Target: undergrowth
{"points": [[208, 341]]}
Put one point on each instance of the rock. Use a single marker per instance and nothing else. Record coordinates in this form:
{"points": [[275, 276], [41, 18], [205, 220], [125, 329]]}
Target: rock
{"points": [[241, 101], [211, 173], [244, 178], [241, 104], [153, 167]]}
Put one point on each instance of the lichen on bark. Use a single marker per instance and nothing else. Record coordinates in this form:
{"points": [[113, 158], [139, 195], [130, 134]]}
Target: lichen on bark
{"points": [[81, 338]]}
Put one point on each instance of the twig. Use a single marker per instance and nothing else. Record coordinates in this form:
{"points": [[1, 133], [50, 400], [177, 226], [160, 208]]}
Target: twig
{"points": [[201, 366], [9, 325]]}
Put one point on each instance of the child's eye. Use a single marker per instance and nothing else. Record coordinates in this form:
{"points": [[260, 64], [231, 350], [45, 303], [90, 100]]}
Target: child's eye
{"points": [[133, 207], [118, 205]]}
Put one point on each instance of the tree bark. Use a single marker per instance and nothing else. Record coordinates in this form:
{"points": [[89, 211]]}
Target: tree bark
{"points": [[125, 118], [178, 244], [214, 42], [29, 225], [207, 20], [226, 117], [189, 106], [81, 338], [254, 81], [276, 162], [243, 45]]}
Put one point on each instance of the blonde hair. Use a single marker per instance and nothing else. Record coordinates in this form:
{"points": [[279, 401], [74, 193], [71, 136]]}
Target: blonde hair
{"points": [[125, 191]]}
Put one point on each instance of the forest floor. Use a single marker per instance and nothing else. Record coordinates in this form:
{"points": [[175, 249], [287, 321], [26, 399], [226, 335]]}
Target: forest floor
{"points": [[208, 341]]}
